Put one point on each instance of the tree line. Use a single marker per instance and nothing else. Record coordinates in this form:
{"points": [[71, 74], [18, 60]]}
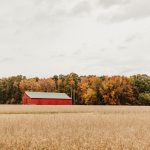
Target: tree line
{"points": [[84, 90]]}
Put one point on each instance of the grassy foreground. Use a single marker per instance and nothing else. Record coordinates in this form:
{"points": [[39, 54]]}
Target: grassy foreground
{"points": [[74, 127]]}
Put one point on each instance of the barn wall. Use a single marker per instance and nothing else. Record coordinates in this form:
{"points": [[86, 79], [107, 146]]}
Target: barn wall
{"points": [[35, 101], [25, 99]]}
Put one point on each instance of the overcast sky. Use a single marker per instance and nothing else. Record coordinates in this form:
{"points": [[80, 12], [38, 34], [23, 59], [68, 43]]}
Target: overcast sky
{"points": [[47, 37]]}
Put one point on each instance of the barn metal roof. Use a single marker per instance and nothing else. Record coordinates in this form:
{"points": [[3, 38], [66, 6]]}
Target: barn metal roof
{"points": [[47, 95]]}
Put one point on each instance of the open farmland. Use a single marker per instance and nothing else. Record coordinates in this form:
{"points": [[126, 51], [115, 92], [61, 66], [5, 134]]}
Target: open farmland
{"points": [[74, 127]]}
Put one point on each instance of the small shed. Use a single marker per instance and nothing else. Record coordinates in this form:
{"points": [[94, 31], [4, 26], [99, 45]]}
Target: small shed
{"points": [[46, 98]]}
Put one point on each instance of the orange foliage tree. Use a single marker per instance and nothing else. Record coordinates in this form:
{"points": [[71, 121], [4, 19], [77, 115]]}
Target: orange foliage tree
{"points": [[30, 85], [88, 90], [117, 90]]}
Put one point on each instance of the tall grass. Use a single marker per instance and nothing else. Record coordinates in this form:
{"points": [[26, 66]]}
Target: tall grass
{"points": [[74, 127]]}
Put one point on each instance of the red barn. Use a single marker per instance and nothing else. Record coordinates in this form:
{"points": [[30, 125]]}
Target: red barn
{"points": [[45, 98]]}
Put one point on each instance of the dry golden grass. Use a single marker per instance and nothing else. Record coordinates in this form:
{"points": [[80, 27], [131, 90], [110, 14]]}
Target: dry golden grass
{"points": [[74, 127]]}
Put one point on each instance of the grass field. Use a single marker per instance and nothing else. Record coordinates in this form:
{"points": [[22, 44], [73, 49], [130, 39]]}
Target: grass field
{"points": [[74, 127]]}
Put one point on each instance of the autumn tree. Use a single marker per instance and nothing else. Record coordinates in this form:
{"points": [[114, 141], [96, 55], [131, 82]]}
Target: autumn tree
{"points": [[47, 85], [117, 90], [70, 85], [88, 90], [31, 84]]}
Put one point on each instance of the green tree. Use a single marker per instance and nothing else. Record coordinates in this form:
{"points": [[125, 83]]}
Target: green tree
{"points": [[144, 98], [9, 90], [142, 88], [142, 83]]}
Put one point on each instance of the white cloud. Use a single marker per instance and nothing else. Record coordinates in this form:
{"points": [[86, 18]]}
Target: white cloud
{"points": [[124, 10], [42, 38], [82, 8], [111, 3]]}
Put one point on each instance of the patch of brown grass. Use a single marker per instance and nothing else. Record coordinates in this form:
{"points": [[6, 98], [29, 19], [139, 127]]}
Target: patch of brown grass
{"points": [[74, 127]]}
